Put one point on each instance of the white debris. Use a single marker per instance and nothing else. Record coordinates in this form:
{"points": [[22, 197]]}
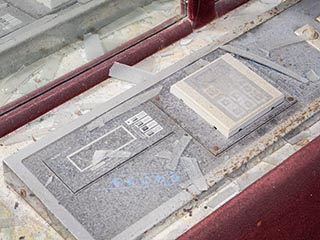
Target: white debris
{"points": [[177, 152], [185, 41], [50, 179], [129, 74], [99, 155], [93, 46], [191, 166], [50, 69]]}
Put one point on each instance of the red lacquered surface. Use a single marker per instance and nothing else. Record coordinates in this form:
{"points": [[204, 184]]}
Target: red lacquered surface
{"points": [[225, 6], [201, 12], [282, 205]]}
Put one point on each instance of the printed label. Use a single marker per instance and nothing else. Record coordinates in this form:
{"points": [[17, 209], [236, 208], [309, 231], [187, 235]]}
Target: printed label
{"points": [[145, 124]]}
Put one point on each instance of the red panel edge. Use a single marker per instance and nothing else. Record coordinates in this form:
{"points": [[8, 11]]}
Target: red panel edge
{"points": [[40, 105], [225, 6], [201, 12], [284, 205]]}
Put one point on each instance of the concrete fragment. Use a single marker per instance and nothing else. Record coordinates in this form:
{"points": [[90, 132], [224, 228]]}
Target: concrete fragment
{"points": [[177, 151], [93, 46], [190, 165], [265, 62], [99, 155], [129, 74], [50, 69]]}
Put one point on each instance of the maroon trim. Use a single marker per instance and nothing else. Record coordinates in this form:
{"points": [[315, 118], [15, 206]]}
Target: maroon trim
{"points": [[225, 6], [201, 12], [48, 100], [282, 205]]}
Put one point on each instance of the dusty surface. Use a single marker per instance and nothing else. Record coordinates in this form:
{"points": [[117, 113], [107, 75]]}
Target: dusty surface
{"points": [[18, 220]]}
